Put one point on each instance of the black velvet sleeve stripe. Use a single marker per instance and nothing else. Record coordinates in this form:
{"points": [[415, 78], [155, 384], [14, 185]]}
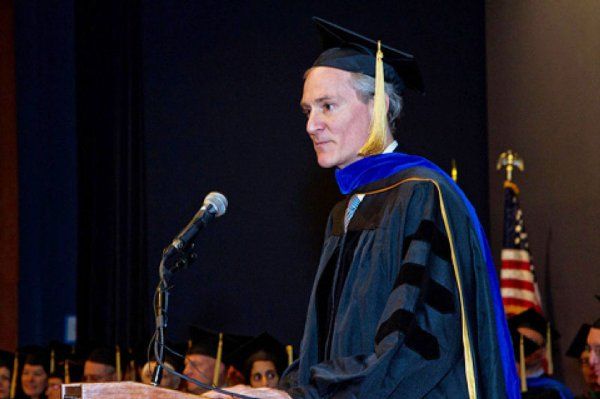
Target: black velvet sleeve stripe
{"points": [[417, 339], [428, 232], [412, 274], [439, 297]]}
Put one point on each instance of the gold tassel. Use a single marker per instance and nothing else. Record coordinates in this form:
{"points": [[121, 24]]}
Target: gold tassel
{"points": [[522, 369], [379, 124], [67, 372], [52, 361], [549, 350], [118, 362], [13, 380], [290, 353], [132, 367], [218, 362]]}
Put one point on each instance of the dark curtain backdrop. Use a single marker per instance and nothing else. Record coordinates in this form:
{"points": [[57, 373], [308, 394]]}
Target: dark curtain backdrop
{"points": [[112, 306]]}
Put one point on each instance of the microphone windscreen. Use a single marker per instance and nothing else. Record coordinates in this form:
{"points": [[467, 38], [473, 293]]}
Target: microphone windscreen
{"points": [[218, 201]]}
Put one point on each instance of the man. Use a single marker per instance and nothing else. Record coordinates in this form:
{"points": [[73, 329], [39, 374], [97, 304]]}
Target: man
{"points": [[593, 342], [100, 366], [204, 358], [531, 327], [405, 302], [578, 350]]}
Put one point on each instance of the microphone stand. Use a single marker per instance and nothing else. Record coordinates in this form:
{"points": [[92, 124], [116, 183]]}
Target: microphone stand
{"points": [[161, 303]]}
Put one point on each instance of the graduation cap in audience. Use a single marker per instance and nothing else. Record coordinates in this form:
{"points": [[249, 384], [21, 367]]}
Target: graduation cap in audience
{"points": [[579, 341], [262, 347], [206, 342], [214, 344], [352, 52], [524, 346], [35, 355], [7, 359]]}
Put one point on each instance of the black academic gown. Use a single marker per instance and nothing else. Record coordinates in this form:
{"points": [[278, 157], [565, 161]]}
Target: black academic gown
{"points": [[384, 318]]}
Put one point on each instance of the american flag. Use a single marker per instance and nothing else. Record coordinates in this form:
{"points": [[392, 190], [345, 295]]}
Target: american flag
{"points": [[518, 282]]}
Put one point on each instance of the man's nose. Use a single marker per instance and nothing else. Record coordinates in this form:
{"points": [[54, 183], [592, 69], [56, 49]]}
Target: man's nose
{"points": [[314, 123]]}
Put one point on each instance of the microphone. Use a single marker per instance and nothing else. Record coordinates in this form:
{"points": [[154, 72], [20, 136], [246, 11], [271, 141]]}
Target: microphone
{"points": [[214, 205]]}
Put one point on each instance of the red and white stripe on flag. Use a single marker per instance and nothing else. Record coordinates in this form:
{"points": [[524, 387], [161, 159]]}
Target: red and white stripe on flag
{"points": [[517, 282]]}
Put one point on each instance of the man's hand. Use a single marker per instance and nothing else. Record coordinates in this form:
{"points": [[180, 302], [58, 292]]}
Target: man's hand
{"points": [[260, 393]]}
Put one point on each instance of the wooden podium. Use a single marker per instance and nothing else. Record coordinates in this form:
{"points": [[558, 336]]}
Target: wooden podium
{"points": [[120, 390]]}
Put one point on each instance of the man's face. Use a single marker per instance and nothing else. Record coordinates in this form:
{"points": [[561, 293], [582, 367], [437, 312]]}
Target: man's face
{"points": [[201, 368], [98, 372], [593, 341], [4, 383], [337, 120], [34, 380]]}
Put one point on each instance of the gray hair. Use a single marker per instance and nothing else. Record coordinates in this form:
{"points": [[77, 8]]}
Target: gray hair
{"points": [[365, 87]]}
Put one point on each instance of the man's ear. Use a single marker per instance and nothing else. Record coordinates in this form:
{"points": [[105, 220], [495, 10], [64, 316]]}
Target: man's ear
{"points": [[387, 104]]}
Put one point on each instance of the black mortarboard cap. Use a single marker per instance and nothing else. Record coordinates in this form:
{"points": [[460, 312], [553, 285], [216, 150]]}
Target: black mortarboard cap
{"points": [[6, 359], [264, 345], [35, 355], [529, 346], [206, 342], [578, 344], [103, 355], [534, 320], [352, 52]]}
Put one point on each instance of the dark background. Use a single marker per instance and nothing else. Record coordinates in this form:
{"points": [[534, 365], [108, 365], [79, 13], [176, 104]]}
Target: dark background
{"points": [[129, 113]]}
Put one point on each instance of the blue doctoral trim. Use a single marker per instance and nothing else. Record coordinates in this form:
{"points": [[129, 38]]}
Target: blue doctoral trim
{"points": [[550, 383], [376, 167]]}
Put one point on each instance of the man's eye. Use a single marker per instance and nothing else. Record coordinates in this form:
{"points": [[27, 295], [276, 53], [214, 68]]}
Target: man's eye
{"points": [[328, 107]]}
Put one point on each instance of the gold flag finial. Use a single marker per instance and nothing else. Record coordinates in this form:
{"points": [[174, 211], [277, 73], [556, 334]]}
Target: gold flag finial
{"points": [[290, 354], [510, 160], [218, 362], [379, 123], [454, 171]]}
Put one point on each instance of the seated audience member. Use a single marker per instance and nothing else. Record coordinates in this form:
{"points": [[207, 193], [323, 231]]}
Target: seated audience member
{"points": [[261, 360], [201, 359], [168, 380], [593, 343], [34, 376], [100, 366], [579, 351], [532, 328], [6, 364], [55, 380]]}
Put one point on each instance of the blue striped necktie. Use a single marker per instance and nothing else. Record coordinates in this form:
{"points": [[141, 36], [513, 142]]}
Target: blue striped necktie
{"points": [[352, 205]]}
